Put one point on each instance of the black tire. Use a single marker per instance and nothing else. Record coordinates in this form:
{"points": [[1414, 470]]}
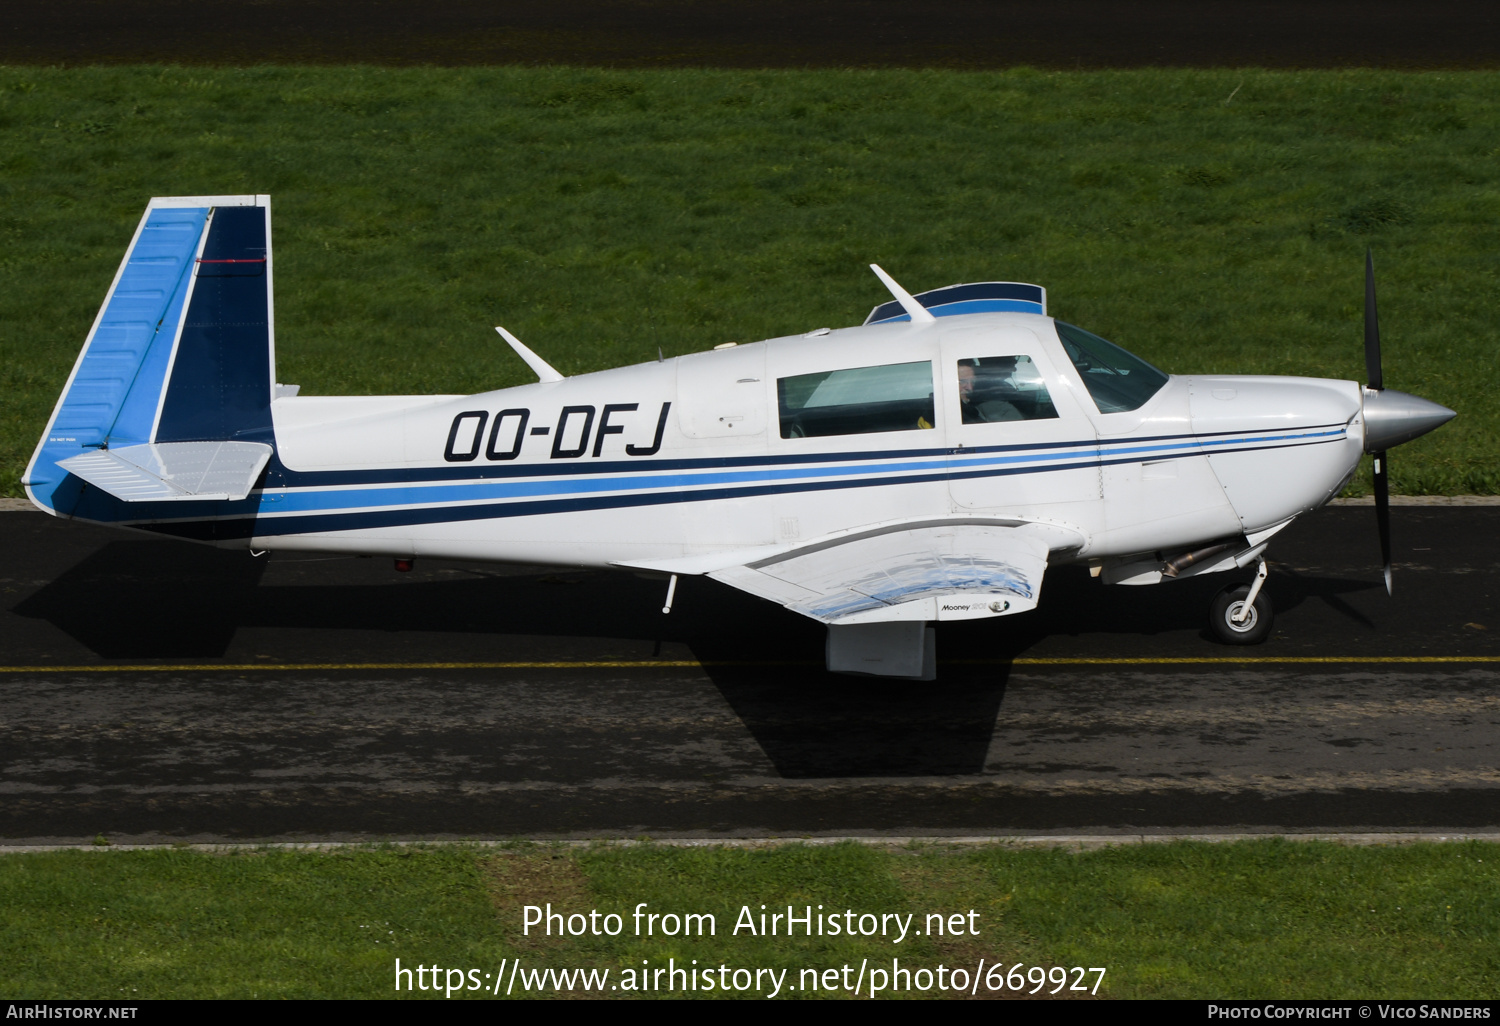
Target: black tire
{"points": [[1257, 626]]}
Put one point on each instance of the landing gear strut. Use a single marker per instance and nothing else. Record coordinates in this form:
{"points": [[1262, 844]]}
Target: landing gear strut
{"points": [[1241, 614]]}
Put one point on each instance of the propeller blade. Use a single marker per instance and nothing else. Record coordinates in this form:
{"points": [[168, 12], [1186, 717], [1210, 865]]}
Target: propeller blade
{"points": [[1383, 515], [1373, 376]]}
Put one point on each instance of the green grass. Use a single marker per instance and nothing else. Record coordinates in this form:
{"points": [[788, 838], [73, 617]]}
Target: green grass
{"points": [[1267, 919], [603, 214]]}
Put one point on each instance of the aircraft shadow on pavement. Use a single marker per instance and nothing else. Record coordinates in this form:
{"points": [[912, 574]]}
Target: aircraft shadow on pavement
{"points": [[811, 723], [150, 600], [164, 600], [1296, 587]]}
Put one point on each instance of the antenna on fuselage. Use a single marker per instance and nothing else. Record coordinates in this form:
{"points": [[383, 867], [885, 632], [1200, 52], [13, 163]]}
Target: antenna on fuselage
{"points": [[919, 313], [544, 370]]}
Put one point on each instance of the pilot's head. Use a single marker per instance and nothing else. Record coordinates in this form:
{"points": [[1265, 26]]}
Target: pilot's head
{"points": [[965, 380], [984, 376]]}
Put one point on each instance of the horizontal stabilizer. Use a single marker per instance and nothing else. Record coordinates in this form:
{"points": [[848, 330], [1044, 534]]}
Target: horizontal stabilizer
{"points": [[173, 471]]}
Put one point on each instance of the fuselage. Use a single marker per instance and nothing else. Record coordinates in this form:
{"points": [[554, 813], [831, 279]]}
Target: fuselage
{"points": [[712, 453]]}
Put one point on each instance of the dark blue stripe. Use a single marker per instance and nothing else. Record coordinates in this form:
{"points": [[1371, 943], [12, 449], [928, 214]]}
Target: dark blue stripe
{"points": [[496, 471], [1137, 458], [322, 523], [281, 477], [92, 504], [271, 527], [971, 306], [962, 293]]}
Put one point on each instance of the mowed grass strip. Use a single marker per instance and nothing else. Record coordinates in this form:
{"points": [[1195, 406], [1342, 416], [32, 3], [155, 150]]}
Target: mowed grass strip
{"points": [[1212, 221], [1263, 919]]}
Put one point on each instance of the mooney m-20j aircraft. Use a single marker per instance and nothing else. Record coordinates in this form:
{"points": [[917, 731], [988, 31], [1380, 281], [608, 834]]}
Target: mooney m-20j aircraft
{"points": [[927, 465]]}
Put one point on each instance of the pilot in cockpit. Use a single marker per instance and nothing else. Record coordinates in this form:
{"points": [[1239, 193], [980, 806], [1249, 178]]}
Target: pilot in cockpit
{"points": [[985, 388]]}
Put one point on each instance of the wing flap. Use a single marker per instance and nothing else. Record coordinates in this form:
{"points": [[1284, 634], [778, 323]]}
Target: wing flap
{"points": [[173, 471], [951, 572]]}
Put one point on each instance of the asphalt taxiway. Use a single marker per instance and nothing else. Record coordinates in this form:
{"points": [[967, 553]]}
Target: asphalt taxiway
{"points": [[157, 691]]}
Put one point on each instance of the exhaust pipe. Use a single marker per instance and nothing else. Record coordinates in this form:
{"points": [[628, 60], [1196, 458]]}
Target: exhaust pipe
{"points": [[1177, 564]]}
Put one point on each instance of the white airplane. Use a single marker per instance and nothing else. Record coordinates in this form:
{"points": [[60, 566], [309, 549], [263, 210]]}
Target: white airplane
{"points": [[927, 465]]}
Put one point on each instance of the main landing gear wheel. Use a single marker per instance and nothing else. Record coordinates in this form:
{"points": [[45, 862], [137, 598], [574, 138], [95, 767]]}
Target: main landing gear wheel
{"points": [[1232, 624]]}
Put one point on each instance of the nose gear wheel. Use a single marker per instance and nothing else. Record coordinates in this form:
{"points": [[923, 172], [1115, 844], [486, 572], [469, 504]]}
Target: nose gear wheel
{"points": [[1234, 624]]}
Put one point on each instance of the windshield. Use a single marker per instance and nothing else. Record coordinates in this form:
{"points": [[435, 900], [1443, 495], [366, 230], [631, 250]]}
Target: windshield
{"points": [[1117, 380]]}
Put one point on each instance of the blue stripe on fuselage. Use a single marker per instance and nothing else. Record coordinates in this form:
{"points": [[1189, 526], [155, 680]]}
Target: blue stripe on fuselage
{"points": [[411, 516], [971, 306], [302, 501], [285, 477], [323, 510]]}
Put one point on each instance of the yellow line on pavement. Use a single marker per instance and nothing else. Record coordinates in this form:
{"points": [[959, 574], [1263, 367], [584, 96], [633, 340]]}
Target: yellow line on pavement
{"points": [[651, 664]]}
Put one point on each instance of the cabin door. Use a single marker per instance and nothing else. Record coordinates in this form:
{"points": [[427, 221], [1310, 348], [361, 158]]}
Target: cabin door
{"points": [[1018, 436]]}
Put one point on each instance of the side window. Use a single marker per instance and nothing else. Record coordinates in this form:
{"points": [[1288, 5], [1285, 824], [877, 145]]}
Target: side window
{"points": [[999, 388], [856, 401]]}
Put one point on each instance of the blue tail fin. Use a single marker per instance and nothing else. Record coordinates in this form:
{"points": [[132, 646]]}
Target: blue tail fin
{"points": [[182, 349]]}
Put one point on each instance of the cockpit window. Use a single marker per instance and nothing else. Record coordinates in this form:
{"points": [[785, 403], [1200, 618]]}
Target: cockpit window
{"points": [[858, 400], [1117, 380]]}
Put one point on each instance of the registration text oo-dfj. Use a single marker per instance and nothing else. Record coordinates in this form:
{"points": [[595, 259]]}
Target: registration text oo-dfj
{"points": [[924, 466]]}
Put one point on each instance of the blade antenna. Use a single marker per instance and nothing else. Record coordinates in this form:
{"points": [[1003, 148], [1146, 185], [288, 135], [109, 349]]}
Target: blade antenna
{"points": [[1376, 383], [544, 370], [919, 313]]}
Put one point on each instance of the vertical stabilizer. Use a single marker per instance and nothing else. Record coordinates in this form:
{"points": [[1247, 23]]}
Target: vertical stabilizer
{"points": [[182, 349]]}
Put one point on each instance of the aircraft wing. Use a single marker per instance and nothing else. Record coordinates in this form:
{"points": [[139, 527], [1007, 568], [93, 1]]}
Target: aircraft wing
{"points": [[173, 471], [946, 572]]}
